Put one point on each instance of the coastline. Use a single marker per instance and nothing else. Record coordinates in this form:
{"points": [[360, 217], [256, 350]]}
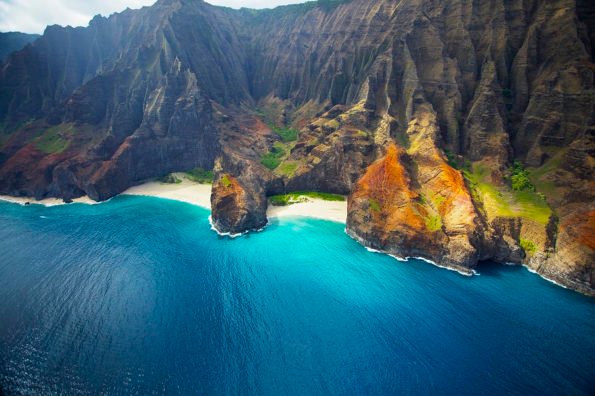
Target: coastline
{"points": [[46, 201], [200, 195]]}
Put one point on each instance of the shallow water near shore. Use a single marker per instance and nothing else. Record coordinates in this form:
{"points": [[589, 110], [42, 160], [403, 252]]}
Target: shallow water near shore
{"points": [[138, 295]]}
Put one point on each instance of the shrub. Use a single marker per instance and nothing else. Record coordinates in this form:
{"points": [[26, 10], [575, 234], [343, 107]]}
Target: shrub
{"points": [[528, 246], [374, 205], [280, 200], [286, 134], [300, 196], [169, 179], [52, 140], [270, 161], [520, 178], [288, 169], [226, 181], [434, 223], [200, 175], [451, 159]]}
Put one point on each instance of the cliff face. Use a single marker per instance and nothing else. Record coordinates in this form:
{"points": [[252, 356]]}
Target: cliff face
{"points": [[418, 109]]}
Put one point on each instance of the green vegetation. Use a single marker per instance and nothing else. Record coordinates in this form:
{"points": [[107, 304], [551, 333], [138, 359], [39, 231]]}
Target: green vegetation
{"points": [[226, 181], [169, 179], [53, 140], [434, 223], [200, 175], [280, 200], [519, 178], [301, 196], [286, 134], [438, 200], [528, 246], [503, 202], [272, 159], [374, 205], [455, 161], [332, 124], [451, 159], [288, 168], [539, 175], [271, 115]]}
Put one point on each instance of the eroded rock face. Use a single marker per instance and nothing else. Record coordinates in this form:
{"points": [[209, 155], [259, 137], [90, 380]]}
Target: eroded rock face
{"points": [[234, 209], [413, 204]]}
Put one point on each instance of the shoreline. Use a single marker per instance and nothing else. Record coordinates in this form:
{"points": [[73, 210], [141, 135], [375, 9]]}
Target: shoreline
{"points": [[200, 195], [186, 191], [46, 201]]}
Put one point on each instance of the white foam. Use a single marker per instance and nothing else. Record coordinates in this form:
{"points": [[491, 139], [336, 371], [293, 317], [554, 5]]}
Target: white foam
{"points": [[464, 273], [398, 258], [226, 234], [406, 259], [47, 202], [544, 277], [229, 234], [371, 250]]}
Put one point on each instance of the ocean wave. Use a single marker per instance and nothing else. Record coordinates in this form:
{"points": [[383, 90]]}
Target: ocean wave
{"points": [[531, 270], [232, 235]]}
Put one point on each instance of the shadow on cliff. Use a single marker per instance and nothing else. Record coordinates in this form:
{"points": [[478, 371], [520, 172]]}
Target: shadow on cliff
{"points": [[496, 270]]}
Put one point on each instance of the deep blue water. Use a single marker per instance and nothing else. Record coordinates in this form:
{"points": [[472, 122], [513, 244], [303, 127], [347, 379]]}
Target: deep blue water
{"points": [[139, 296]]}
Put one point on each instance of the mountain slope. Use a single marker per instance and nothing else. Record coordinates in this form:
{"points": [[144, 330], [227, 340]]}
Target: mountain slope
{"points": [[462, 130], [14, 41]]}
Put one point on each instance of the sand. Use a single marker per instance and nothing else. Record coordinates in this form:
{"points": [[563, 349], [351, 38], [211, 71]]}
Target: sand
{"points": [[186, 191], [200, 195], [317, 208]]}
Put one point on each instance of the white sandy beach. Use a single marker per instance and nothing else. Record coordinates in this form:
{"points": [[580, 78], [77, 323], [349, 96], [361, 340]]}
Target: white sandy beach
{"points": [[200, 195], [185, 191], [317, 208]]}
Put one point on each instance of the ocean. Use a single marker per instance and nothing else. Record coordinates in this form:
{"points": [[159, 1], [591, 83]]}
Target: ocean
{"points": [[139, 296]]}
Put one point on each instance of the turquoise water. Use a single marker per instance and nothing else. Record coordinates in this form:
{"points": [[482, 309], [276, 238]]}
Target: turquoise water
{"points": [[139, 296]]}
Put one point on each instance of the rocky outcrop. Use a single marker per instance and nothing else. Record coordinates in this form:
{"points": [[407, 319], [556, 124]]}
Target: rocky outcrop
{"points": [[443, 95], [413, 204], [234, 209]]}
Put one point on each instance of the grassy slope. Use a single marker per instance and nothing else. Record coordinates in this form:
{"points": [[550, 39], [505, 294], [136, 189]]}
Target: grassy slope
{"points": [[55, 139], [301, 196], [504, 202]]}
